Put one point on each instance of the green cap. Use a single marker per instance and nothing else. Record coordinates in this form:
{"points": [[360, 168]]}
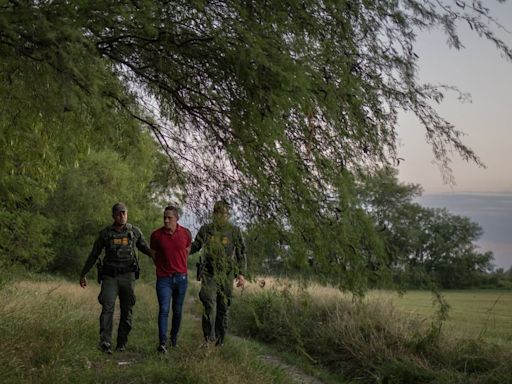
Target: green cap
{"points": [[220, 206], [119, 207]]}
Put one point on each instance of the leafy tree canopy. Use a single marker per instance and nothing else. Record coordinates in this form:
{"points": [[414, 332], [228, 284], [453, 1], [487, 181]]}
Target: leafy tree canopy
{"points": [[271, 104]]}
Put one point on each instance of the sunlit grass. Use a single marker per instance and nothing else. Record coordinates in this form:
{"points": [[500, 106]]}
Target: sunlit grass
{"points": [[473, 313], [384, 337], [49, 334]]}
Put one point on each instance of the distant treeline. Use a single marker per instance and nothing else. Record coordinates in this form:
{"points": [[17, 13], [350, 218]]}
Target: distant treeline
{"points": [[421, 247]]}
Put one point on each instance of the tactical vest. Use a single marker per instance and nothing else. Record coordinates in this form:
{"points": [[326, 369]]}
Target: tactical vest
{"points": [[119, 246], [223, 238]]}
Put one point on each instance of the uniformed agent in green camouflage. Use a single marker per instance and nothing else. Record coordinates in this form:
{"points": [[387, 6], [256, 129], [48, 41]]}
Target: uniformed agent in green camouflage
{"points": [[118, 273], [225, 259]]}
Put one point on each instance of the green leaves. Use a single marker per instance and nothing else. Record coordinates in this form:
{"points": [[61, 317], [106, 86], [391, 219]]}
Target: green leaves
{"points": [[69, 146], [273, 105]]}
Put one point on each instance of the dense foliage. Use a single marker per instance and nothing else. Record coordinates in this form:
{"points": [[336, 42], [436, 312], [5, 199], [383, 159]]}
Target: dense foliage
{"points": [[274, 105], [66, 154], [423, 245], [369, 341]]}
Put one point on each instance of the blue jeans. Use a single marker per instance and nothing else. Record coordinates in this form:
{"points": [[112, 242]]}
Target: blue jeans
{"points": [[167, 288]]}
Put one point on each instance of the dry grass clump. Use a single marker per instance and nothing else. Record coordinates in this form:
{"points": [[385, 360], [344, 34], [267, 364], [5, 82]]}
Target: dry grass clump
{"points": [[321, 293]]}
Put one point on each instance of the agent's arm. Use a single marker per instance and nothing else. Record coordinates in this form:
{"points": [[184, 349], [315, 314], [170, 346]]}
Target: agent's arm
{"points": [[241, 258], [93, 256], [199, 240]]}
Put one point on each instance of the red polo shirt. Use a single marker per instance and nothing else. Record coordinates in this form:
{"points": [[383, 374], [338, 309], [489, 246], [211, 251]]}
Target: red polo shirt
{"points": [[171, 250]]}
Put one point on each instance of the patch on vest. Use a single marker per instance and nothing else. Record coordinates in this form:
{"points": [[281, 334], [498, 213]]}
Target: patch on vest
{"points": [[120, 241]]}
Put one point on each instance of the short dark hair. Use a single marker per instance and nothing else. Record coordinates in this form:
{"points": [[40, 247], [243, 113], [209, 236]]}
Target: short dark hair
{"points": [[174, 209]]}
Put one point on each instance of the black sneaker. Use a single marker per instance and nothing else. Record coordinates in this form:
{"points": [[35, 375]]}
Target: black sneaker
{"points": [[219, 342], [105, 347], [121, 347], [162, 349], [173, 343]]}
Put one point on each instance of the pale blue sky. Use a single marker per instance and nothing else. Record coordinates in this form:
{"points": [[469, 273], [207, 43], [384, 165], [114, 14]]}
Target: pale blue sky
{"points": [[485, 195], [492, 211]]}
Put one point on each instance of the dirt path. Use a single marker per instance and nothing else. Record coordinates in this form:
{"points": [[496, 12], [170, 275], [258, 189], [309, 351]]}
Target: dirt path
{"points": [[297, 374]]}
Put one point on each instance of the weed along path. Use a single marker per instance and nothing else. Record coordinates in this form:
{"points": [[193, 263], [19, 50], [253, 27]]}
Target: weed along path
{"points": [[49, 334]]}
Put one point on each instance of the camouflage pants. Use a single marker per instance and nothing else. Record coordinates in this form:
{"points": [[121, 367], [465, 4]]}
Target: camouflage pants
{"points": [[123, 286], [216, 298]]}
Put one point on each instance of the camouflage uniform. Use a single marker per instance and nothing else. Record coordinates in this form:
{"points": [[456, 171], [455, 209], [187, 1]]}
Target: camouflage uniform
{"points": [[224, 254], [118, 277]]}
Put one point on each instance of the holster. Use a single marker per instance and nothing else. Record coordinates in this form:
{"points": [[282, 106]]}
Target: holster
{"points": [[111, 271], [99, 270], [201, 266]]}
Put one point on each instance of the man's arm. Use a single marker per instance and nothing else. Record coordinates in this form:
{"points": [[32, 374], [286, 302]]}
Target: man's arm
{"points": [[153, 246], [143, 246], [241, 258], [198, 241], [189, 241], [93, 256]]}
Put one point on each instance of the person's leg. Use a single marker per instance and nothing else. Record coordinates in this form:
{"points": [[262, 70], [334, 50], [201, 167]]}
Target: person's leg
{"points": [[208, 296], [163, 293], [126, 283], [179, 289], [107, 299], [223, 303]]}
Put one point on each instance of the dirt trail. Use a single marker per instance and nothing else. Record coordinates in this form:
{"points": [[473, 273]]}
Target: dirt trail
{"points": [[297, 374]]}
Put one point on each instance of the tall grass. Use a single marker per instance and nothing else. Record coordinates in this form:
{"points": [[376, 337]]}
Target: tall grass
{"points": [[367, 341], [485, 314], [477, 313], [49, 334]]}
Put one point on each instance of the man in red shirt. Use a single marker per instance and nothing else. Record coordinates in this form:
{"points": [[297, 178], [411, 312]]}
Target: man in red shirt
{"points": [[171, 244]]}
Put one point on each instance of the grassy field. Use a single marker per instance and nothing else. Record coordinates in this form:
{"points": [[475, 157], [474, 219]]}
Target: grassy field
{"points": [[384, 337], [472, 313], [49, 334]]}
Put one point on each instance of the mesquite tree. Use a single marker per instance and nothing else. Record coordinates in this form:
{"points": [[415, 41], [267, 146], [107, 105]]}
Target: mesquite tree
{"points": [[273, 105]]}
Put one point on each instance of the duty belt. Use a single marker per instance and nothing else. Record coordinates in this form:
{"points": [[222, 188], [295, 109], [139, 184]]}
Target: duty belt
{"points": [[114, 271]]}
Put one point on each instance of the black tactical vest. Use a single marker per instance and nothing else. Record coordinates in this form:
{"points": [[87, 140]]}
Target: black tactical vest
{"points": [[119, 246]]}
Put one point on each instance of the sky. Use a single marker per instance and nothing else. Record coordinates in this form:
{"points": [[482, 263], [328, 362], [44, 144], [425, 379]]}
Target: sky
{"points": [[483, 194]]}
